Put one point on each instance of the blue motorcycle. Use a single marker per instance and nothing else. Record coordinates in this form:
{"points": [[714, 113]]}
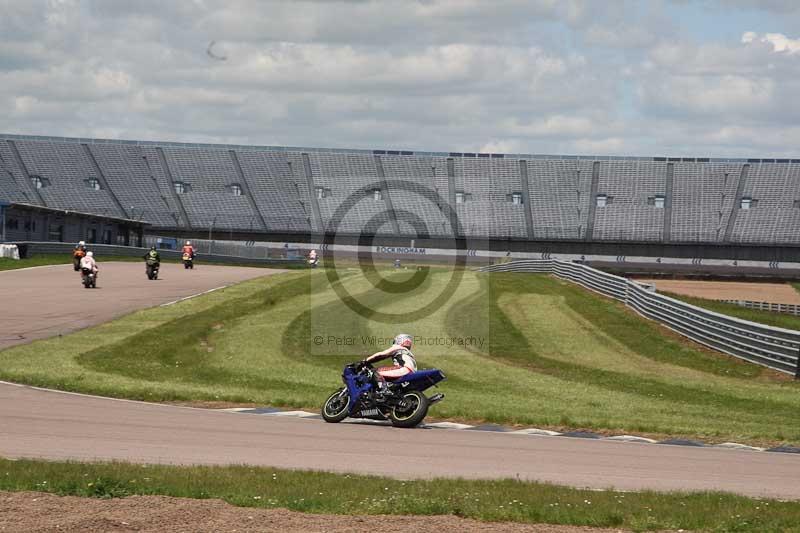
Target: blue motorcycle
{"points": [[402, 401]]}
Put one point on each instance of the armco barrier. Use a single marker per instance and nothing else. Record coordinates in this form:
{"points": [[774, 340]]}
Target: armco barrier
{"points": [[102, 250], [776, 348]]}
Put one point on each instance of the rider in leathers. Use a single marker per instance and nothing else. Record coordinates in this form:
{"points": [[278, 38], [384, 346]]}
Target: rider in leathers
{"points": [[403, 359]]}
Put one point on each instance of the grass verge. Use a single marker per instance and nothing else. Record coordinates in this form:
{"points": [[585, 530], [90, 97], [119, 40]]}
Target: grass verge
{"points": [[318, 492], [769, 318]]}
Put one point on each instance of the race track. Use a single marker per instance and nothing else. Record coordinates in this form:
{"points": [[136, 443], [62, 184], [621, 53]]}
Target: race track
{"points": [[50, 300], [56, 425]]}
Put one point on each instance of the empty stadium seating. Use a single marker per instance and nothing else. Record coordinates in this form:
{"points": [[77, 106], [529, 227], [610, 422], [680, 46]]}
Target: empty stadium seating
{"points": [[628, 187], [490, 196]]}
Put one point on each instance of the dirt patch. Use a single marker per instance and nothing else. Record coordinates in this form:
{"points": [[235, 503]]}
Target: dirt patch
{"points": [[779, 293], [35, 511]]}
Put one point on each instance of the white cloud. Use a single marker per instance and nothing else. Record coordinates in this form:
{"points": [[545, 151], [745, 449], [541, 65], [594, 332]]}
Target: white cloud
{"points": [[778, 41], [544, 76]]}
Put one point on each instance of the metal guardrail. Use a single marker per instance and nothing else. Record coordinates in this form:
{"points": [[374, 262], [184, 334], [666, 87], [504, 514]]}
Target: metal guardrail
{"points": [[773, 347], [101, 250]]}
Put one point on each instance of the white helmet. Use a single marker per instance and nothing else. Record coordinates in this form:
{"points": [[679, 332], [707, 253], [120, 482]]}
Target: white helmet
{"points": [[89, 254], [81, 243], [188, 243], [404, 339]]}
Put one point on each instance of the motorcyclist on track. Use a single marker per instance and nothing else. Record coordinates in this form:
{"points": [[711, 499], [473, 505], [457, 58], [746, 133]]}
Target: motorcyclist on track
{"points": [[403, 359], [188, 249], [89, 263], [152, 257], [78, 253]]}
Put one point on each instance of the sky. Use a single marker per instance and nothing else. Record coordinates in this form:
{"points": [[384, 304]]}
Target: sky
{"points": [[704, 78]]}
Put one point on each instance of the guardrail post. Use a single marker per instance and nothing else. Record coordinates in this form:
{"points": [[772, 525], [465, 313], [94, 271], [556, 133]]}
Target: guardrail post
{"points": [[797, 368]]}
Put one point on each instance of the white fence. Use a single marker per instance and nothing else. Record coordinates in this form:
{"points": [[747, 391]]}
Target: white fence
{"points": [[789, 309], [776, 348]]}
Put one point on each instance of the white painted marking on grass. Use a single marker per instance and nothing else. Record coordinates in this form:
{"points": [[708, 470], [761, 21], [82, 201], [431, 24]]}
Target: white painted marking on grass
{"points": [[448, 425], [298, 414], [193, 296], [737, 446], [536, 431], [631, 438]]}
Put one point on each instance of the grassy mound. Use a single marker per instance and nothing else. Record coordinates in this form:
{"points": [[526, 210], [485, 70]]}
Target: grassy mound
{"points": [[319, 492], [517, 349]]}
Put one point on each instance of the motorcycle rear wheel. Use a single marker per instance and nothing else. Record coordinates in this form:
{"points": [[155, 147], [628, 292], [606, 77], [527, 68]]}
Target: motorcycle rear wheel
{"points": [[336, 406], [411, 410]]}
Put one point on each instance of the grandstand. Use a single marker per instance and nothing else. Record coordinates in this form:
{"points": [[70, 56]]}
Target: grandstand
{"points": [[643, 203]]}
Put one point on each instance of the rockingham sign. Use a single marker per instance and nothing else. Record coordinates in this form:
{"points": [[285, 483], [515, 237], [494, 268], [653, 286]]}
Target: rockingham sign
{"points": [[400, 250]]}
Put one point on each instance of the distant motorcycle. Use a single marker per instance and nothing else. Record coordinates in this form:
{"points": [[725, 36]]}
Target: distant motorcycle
{"points": [[403, 402], [88, 278], [152, 270], [188, 261]]}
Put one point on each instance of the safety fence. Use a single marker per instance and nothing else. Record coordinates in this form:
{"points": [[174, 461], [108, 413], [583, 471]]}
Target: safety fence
{"points": [[249, 250], [776, 348], [105, 250], [791, 309]]}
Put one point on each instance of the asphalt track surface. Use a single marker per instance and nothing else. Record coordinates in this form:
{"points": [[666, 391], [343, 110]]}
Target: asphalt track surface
{"points": [[46, 301], [55, 425]]}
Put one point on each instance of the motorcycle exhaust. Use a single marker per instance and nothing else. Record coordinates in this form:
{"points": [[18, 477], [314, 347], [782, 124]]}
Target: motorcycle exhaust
{"points": [[436, 398]]}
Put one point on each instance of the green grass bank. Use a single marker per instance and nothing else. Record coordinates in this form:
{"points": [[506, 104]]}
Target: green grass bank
{"points": [[318, 492]]}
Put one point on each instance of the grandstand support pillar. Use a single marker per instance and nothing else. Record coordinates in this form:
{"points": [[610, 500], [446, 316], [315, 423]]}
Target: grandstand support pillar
{"points": [[451, 197], [246, 186], [162, 158], [592, 201], [312, 192], [666, 232], [737, 201], [24, 170], [103, 181], [526, 198], [387, 198]]}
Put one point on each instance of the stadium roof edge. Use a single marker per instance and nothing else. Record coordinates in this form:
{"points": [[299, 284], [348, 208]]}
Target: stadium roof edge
{"points": [[268, 148], [34, 207]]}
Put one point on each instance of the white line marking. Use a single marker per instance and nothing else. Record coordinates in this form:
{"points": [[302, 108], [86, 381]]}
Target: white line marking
{"points": [[536, 431], [737, 446], [448, 425], [194, 295], [631, 438], [299, 414], [31, 268]]}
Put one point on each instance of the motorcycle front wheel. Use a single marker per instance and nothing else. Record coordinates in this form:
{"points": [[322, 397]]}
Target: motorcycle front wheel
{"points": [[410, 411], [335, 407]]}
